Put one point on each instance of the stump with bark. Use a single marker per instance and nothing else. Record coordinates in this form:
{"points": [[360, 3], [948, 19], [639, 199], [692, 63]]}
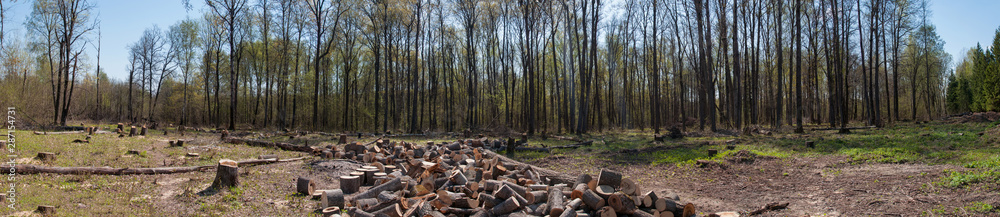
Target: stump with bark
{"points": [[143, 131], [226, 175], [333, 198], [132, 132], [304, 186]]}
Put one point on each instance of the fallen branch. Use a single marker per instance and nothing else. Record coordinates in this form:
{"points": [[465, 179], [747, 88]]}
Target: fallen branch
{"points": [[278, 145], [769, 207], [577, 145], [838, 128], [58, 133], [36, 169]]}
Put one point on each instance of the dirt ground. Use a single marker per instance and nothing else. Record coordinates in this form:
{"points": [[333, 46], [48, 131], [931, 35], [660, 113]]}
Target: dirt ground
{"points": [[813, 186]]}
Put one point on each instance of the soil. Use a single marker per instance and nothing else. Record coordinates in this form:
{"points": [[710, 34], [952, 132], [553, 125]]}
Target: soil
{"points": [[813, 186]]}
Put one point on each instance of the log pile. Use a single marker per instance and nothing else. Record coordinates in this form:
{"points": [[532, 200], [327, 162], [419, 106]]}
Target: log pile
{"points": [[463, 178]]}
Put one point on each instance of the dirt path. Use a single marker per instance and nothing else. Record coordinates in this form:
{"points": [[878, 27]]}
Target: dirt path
{"points": [[813, 186]]}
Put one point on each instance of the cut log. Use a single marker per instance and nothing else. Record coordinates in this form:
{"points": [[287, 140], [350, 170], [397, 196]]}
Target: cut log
{"points": [[688, 210], [226, 175], [46, 210], [333, 198], [667, 205], [649, 199], [592, 200], [553, 176], [578, 190], [568, 213], [629, 187], [604, 191], [332, 211], [304, 186], [609, 178], [555, 202], [507, 206], [193, 154], [535, 197], [46, 156], [392, 185], [350, 184], [623, 204], [640, 213]]}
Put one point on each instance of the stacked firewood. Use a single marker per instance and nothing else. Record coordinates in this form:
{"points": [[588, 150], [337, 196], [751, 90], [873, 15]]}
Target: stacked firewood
{"points": [[463, 178]]}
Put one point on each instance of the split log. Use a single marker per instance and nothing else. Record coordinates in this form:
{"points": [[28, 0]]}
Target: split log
{"points": [[350, 184], [304, 186], [609, 178], [46, 156], [555, 202], [226, 174], [35, 169], [333, 198], [592, 200]]}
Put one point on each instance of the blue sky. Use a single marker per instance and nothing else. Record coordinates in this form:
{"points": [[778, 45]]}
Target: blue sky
{"points": [[960, 23]]}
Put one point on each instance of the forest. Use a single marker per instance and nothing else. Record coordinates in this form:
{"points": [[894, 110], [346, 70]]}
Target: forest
{"points": [[537, 67]]}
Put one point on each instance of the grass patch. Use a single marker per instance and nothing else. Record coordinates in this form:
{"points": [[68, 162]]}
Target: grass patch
{"points": [[983, 171]]}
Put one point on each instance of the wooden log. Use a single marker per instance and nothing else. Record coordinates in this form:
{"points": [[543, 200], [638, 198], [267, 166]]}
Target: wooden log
{"points": [[668, 205], [46, 156], [193, 154], [649, 199], [460, 211], [578, 190], [568, 213], [350, 184], [535, 197], [268, 156], [366, 204], [623, 204], [507, 206], [629, 187], [356, 212], [275, 145], [333, 198], [332, 211], [553, 176], [609, 178], [606, 211], [392, 185], [604, 191], [555, 202], [226, 175], [304, 186], [573, 205], [768, 207], [592, 200], [688, 210]]}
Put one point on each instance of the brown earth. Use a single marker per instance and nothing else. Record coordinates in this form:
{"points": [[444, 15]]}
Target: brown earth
{"points": [[813, 186]]}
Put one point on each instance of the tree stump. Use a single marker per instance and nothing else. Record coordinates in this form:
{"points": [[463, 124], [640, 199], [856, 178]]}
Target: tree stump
{"points": [[226, 175], [343, 139], [121, 126], [46, 156], [712, 152], [609, 178], [304, 186], [132, 131], [810, 144], [143, 131], [333, 198], [46, 210]]}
